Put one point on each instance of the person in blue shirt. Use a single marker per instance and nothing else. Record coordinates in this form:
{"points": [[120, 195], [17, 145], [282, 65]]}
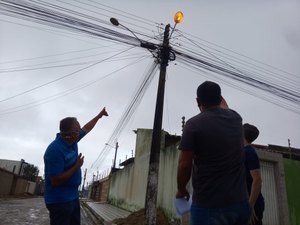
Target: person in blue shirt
{"points": [[63, 171], [253, 175]]}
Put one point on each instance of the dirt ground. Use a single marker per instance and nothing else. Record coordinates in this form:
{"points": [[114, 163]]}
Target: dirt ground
{"points": [[138, 218]]}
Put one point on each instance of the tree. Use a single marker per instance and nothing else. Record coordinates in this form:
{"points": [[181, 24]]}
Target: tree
{"points": [[30, 172]]}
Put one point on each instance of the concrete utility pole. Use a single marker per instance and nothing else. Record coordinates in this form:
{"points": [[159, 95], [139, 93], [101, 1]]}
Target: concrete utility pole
{"points": [[82, 189], [152, 184], [84, 179], [113, 169], [290, 150], [115, 158], [183, 123], [164, 56]]}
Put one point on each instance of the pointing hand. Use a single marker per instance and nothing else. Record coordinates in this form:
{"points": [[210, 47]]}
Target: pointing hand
{"points": [[103, 112]]}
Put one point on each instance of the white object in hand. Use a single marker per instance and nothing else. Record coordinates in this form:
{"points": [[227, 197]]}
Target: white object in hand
{"points": [[183, 205]]}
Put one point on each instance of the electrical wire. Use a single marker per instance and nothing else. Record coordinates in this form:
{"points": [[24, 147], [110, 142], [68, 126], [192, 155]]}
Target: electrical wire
{"points": [[64, 93], [59, 62], [127, 114], [62, 77]]}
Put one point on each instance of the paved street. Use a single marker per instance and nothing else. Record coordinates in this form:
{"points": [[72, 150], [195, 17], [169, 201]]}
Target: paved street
{"points": [[23, 211], [31, 211]]}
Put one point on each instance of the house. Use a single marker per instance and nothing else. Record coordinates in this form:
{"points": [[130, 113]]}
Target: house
{"points": [[13, 177], [14, 166]]}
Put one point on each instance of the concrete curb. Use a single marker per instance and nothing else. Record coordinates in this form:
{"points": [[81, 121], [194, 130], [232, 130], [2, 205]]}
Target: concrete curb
{"points": [[96, 219]]}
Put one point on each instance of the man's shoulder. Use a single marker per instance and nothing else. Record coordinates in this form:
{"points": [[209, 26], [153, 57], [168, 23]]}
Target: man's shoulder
{"points": [[233, 111], [53, 147], [194, 120], [218, 111], [210, 115], [201, 118], [230, 113], [251, 158], [250, 153], [250, 149]]}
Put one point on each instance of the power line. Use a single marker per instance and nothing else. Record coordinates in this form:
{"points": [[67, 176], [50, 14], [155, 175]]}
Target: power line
{"points": [[275, 79], [237, 53], [40, 65], [62, 77], [60, 17], [237, 86], [46, 16], [222, 75], [52, 55], [129, 111], [277, 90], [64, 93]]}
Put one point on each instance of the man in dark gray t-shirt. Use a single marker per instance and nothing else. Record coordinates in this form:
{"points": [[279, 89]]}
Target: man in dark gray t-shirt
{"points": [[211, 150]]}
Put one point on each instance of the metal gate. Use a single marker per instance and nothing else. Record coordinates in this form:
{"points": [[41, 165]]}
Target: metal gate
{"points": [[269, 191]]}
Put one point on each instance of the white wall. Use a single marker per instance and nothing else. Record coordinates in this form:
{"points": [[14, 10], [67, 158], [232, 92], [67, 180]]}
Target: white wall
{"points": [[10, 164], [128, 186]]}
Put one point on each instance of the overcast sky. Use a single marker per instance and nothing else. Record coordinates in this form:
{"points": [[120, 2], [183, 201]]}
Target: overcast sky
{"points": [[265, 31]]}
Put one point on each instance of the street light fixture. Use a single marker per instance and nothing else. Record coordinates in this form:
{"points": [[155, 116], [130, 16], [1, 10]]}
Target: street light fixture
{"points": [[178, 17], [143, 44], [115, 22]]}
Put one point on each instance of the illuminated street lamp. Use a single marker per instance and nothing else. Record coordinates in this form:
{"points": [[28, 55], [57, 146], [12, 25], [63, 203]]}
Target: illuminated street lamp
{"points": [[178, 17]]}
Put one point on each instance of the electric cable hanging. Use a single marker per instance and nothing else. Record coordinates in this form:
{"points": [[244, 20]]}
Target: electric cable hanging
{"points": [[64, 93], [62, 77], [129, 111]]}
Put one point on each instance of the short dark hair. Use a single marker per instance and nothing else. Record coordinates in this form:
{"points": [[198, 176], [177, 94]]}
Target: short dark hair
{"points": [[67, 124], [209, 94], [250, 132]]}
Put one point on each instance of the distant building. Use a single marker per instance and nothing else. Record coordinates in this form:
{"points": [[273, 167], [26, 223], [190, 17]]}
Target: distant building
{"points": [[19, 177], [14, 166]]}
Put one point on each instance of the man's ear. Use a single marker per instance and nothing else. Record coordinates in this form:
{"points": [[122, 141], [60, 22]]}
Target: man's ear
{"points": [[198, 102], [223, 103]]}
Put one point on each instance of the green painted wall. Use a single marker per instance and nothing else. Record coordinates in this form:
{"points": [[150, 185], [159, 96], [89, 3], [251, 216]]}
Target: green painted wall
{"points": [[292, 181]]}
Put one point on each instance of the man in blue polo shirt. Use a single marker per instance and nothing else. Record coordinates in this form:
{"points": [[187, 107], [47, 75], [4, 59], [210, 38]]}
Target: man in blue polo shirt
{"points": [[63, 173]]}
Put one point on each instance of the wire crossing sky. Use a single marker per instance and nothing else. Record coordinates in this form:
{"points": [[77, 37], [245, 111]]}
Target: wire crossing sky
{"points": [[63, 18], [63, 57], [127, 114]]}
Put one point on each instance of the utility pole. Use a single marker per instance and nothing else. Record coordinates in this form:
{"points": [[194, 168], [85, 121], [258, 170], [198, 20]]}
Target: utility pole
{"points": [[183, 123], [84, 180], [164, 56], [290, 150], [113, 169], [152, 184], [115, 158]]}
